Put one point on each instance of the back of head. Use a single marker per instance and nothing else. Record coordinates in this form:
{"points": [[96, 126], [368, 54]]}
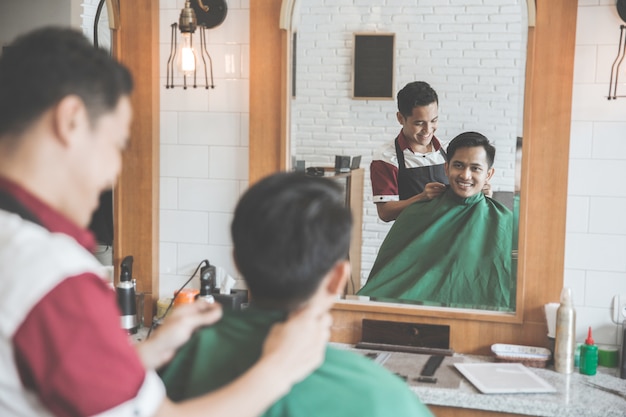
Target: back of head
{"points": [[288, 231], [42, 67], [415, 94], [470, 140]]}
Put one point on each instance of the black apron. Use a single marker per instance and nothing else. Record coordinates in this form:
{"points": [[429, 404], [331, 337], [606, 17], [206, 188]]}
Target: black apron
{"points": [[12, 205], [411, 181]]}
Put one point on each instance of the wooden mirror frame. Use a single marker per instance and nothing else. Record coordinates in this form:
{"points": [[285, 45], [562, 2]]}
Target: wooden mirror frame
{"points": [[135, 43], [547, 118]]}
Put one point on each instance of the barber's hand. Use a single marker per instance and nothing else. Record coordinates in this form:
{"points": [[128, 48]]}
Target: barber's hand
{"points": [[487, 190], [433, 190], [176, 330], [296, 347]]}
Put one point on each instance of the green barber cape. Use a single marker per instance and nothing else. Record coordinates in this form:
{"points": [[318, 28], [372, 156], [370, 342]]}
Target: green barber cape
{"points": [[346, 384], [448, 251]]}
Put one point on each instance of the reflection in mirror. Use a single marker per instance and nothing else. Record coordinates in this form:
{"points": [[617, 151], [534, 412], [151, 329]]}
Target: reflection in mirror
{"points": [[456, 248], [472, 54], [102, 221]]}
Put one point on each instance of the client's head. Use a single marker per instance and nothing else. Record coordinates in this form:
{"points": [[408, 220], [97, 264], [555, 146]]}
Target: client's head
{"points": [[470, 163], [291, 236]]}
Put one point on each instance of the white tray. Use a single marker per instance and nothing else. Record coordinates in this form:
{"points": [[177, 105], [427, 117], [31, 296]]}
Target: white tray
{"points": [[503, 378]]}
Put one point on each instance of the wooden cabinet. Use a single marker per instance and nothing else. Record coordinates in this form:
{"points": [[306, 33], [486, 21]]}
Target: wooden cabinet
{"points": [[441, 411]]}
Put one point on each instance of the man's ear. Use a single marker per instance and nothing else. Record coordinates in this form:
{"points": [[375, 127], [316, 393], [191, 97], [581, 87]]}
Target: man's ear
{"points": [[400, 118], [67, 117], [490, 173], [338, 277], [445, 169]]}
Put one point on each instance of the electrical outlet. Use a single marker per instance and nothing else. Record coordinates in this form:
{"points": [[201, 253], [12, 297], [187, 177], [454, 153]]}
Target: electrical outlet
{"points": [[618, 309]]}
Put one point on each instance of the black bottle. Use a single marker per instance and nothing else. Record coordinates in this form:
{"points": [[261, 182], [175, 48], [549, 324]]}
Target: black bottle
{"points": [[207, 283], [126, 296]]}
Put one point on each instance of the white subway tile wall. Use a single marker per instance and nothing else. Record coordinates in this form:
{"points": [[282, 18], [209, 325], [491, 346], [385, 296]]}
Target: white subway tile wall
{"points": [[204, 150], [595, 252]]}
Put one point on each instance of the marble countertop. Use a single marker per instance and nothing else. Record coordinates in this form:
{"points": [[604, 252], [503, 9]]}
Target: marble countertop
{"points": [[603, 394], [577, 395]]}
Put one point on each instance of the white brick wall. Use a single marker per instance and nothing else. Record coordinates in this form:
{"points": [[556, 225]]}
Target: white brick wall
{"points": [[474, 57]]}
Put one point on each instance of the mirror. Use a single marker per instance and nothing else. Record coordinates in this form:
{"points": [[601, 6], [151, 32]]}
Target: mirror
{"points": [[473, 55], [102, 221]]}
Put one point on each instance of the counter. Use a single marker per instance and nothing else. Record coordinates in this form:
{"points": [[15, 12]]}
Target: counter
{"points": [[576, 395]]}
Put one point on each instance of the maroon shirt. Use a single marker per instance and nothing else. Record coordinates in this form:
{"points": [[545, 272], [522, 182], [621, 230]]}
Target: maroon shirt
{"points": [[70, 349]]}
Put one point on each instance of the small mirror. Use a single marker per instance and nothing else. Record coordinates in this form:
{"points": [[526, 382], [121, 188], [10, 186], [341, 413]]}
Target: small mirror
{"points": [[97, 19]]}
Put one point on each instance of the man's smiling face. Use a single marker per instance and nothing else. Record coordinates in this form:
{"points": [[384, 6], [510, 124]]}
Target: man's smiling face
{"points": [[468, 171]]}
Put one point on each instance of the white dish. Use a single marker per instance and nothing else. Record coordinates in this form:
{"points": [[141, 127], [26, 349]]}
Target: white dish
{"points": [[520, 352]]}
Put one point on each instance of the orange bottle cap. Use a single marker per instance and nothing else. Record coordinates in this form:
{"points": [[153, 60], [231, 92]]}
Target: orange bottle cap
{"points": [[185, 296], [589, 340]]}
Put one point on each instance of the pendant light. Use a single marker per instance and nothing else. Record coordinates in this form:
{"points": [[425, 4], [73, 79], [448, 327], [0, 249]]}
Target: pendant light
{"points": [[185, 57]]}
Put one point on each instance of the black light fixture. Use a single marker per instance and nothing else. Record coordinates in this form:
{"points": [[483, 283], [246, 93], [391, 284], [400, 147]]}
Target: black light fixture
{"points": [[183, 58], [621, 52]]}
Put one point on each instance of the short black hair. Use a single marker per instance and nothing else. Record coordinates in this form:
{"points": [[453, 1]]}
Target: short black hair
{"points": [[470, 140], [42, 67], [288, 231], [415, 94]]}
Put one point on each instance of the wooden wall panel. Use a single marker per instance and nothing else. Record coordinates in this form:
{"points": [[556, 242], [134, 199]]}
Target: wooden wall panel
{"points": [[267, 89], [136, 196]]}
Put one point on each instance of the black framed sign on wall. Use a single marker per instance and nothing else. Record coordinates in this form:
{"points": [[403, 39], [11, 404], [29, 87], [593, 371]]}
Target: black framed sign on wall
{"points": [[373, 66]]}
